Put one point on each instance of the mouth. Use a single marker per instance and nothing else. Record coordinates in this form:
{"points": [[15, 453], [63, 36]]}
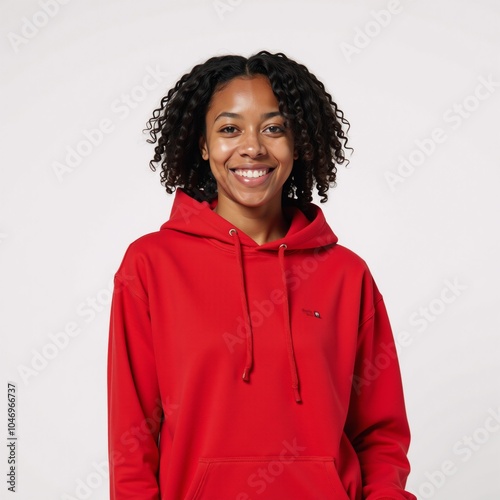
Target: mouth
{"points": [[252, 176], [251, 173]]}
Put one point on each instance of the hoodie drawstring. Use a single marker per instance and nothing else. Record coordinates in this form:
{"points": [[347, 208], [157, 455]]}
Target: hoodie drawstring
{"points": [[286, 312], [244, 303], [289, 339]]}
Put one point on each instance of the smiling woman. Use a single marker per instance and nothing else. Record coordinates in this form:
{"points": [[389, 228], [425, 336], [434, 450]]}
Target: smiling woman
{"points": [[242, 335], [250, 149]]}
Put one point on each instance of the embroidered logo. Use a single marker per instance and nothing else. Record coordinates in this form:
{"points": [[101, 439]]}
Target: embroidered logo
{"points": [[309, 312]]}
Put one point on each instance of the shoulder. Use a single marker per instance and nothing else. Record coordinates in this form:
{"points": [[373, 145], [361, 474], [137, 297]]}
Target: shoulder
{"points": [[147, 243], [143, 250], [348, 258], [139, 261], [355, 270]]}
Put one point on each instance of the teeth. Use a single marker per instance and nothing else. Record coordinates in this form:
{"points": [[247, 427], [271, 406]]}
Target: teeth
{"points": [[251, 173]]}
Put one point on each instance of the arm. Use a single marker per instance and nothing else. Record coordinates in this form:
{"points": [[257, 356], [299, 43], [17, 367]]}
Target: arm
{"points": [[377, 425], [134, 405]]}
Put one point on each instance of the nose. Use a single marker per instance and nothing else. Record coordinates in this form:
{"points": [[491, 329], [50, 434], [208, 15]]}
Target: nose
{"points": [[251, 144]]}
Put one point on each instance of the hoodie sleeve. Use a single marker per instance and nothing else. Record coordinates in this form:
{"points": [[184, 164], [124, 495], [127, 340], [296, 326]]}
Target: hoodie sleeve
{"points": [[134, 404], [377, 425]]}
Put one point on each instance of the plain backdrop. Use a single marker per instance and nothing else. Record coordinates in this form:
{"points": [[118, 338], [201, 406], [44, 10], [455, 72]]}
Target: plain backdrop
{"points": [[420, 83]]}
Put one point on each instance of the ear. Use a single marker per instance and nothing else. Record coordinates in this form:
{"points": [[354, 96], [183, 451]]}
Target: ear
{"points": [[203, 148], [295, 154]]}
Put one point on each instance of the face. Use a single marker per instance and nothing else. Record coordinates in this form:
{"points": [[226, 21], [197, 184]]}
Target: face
{"points": [[248, 145]]}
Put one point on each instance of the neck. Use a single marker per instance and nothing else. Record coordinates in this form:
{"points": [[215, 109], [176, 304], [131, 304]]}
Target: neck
{"points": [[262, 224]]}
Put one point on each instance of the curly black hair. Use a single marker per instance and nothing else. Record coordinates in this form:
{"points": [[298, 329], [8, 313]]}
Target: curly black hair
{"points": [[318, 125]]}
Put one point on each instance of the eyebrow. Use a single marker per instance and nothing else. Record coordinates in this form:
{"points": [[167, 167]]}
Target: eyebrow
{"points": [[264, 116]]}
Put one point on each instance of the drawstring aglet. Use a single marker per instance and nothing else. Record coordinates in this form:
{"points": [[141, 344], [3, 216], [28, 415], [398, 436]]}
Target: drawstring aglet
{"points": [[296, 392], [246, 374]]}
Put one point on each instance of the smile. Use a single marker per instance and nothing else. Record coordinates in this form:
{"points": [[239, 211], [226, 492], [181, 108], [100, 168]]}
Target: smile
{"points": [[251, 173]]}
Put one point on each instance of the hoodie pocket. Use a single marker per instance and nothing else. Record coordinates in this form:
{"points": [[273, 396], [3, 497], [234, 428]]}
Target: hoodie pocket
{"points": [[269, 478]]}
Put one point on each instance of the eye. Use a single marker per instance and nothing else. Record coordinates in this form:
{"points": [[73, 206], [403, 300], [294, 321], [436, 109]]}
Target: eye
{"points": [[228, 129], [275, 129]]}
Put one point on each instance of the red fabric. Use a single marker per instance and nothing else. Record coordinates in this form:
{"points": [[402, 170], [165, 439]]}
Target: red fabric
{"points": [[321, 413]]}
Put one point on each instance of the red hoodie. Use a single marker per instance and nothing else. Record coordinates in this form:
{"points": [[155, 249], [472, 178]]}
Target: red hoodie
{"points": [[240, 371]]}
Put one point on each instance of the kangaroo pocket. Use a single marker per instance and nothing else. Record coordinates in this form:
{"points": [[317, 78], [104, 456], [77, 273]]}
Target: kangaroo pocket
{"points": [[267, 478]]}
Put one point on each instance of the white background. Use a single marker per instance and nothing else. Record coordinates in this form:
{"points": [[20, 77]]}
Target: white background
{"points": [[62, 236]]}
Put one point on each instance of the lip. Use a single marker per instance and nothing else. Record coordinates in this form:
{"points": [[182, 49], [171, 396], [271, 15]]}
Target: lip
{"points": [[252, 181], [252, 166]]}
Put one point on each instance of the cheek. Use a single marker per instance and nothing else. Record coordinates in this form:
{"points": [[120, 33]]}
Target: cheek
{"points": [[285, 152], [220, 150]]}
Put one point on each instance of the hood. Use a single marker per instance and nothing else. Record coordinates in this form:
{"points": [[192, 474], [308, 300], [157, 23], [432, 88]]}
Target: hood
{"points": [[305, 233], [198, 218]]}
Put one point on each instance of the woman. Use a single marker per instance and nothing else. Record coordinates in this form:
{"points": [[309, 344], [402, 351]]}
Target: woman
{"points": [[250, 355]]}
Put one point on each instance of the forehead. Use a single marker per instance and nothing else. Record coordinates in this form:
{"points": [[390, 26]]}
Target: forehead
{"points": [[244, 93]]}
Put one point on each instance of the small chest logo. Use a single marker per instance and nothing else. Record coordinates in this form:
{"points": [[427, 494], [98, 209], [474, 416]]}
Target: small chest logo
{"points": [[310, 312]]}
